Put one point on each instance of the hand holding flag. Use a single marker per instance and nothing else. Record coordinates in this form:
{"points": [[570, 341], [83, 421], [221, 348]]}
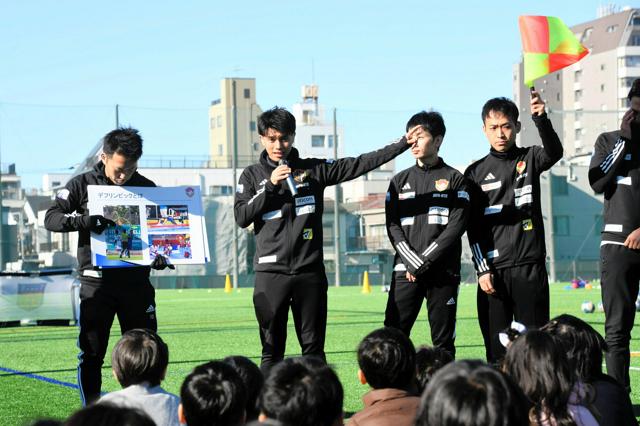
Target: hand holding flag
{"points": [[548, 45]]}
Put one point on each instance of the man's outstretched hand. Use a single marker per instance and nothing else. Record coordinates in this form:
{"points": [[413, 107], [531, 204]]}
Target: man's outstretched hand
{"points": [[161, 262]]}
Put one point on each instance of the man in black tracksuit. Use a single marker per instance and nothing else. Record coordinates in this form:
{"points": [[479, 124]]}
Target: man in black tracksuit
{"points": [[506, 232], [615, 170], [426, 212], [288, 261], [126, 292]]}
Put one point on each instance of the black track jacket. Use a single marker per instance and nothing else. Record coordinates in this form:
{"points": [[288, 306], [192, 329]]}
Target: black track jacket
{"points": [[289, 230], [505, 227], [427, 210], [71, 203], [615, 170]]}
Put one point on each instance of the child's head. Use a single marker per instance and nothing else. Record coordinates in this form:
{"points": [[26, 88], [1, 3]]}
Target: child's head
{"points": [[428, 361], [387, 359], [253, 380], [213, 394], [471, 393], [140, 356], [582, 344], [302, 391], [105, 414], [539, 365]]}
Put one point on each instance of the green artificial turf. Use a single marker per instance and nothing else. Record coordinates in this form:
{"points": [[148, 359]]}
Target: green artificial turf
{"points": [[200, 325]]}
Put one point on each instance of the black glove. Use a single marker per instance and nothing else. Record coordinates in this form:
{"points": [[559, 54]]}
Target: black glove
{"points": [[96, 223], [161, 262]]}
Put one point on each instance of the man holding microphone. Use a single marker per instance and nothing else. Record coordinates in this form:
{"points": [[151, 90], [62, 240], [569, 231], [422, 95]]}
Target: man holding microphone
{"points": [[282, 196]]}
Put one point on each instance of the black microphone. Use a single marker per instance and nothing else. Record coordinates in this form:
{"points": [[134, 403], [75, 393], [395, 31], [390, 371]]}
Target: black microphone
{"points": [[290, 181]]}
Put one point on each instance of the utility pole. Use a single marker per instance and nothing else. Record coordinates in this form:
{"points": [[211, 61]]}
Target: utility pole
{"points": [[117, 116], [234, 165], [336, 204]]}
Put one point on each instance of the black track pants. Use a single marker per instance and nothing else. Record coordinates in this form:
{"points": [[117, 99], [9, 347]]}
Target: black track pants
{"points": [[133, 303], [405, 301], [522, 294], [620, 269], [306, 294]]}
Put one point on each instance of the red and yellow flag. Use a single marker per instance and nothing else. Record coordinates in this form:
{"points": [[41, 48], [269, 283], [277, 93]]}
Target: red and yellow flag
{"points": [[548, 45]]}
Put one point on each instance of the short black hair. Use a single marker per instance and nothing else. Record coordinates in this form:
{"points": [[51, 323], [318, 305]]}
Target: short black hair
{"points": [[302, 392], [213, 394], [431, 121], [125, 141], [387, 358], [430, 359], [502, 105], [582, 344], [277, 118], [106, 414], [470, 392], [140, 356], [253, 380]]}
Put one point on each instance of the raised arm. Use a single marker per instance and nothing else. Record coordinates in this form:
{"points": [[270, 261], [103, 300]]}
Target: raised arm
{"points": [[344, 169]]}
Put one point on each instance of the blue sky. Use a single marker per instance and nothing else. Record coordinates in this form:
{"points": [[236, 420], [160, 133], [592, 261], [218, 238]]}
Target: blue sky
{"points": [[67, 63]]}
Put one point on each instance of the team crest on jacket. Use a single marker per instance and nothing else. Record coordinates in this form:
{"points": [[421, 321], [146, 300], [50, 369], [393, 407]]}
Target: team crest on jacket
{"points": [[300, 175], [442, 184], [520, 167]]}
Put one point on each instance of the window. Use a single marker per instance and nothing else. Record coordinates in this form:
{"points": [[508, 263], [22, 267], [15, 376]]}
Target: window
{"points": [[330, 140], [252, 126], [634, 40], [586, 34], [317, 141], [247, 93], [219, 149], [612, 28], [626, 82], [577, 75], [578, 115], [219, 118], [558, 96], [559, 185], [636, 21], [256, 146], [578, 134], [55, 183], [602, 87], [561, 225], [577, 95], [602, 67], [220, 190], [623, 103], [213, 123], [631, 61]]}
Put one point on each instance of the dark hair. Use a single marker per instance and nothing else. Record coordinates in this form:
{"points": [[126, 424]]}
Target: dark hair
{"points": [[213, 394], [428, 361], [302, 392], [253, 380], [431, 121], [105, 414], [125, 141], [502, 105], [277, 118], [538, 364], [387, 358], [471, 392], [582, 344], [140, 356], [635, 89]]}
